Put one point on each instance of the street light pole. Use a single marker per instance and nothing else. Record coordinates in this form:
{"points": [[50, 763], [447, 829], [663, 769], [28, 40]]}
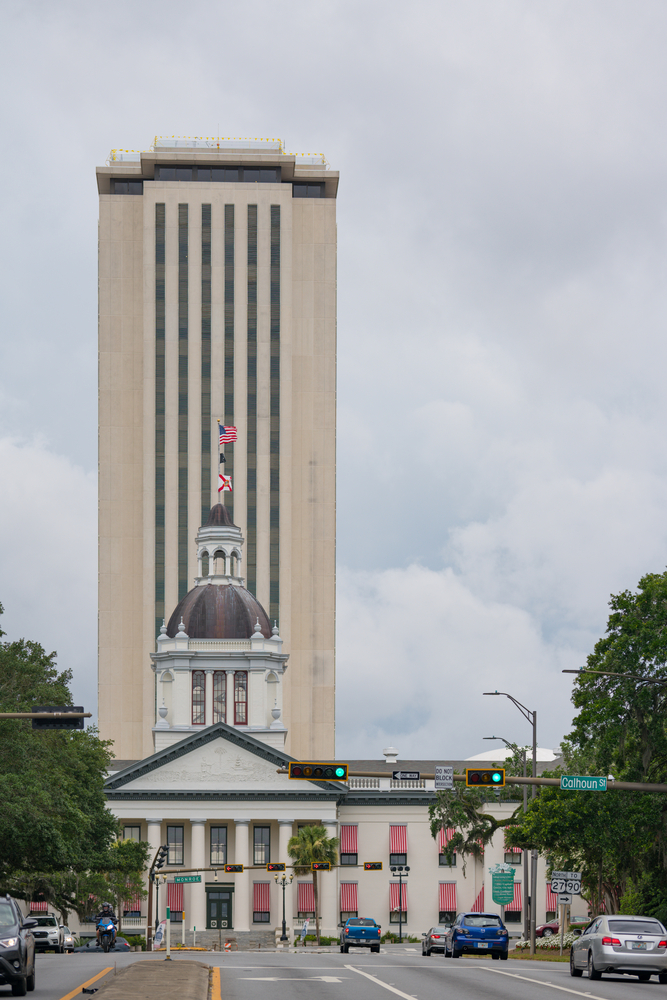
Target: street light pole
{"points": [[531, 717], [283, 881], [400, 872]]}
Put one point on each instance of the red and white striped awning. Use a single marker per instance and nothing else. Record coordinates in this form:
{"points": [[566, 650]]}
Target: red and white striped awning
{"points": [[175, 896], [348, 897], [133, 905], [40, 907], [516, 902], [444, 836], [305, 897], [348, 839], [552, 899], [448, 897], [478, 906], [513, 850], [261, 897], [393, 897], [398, 839]]}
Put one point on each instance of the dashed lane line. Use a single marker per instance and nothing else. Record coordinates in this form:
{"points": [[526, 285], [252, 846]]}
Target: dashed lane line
{"points": [[386, 986], [540, 982]]}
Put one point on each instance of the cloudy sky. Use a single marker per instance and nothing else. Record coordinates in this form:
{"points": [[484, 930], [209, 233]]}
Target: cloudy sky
{"points": [[502, 304]]}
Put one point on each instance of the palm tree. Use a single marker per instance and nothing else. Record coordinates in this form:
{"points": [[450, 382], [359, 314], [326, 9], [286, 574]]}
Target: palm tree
{"points": [[312, 844]]}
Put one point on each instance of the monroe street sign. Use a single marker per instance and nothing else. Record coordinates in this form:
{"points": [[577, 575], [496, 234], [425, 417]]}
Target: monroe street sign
{"points": [[187, 878], [582, 783]]}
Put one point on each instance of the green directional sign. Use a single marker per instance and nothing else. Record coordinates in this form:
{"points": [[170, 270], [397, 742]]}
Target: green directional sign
{"points": [[502, 887], [582, 783], [187, 878]]}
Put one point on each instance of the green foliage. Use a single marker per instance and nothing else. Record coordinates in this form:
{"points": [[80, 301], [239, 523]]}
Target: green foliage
{"points": [[392, 938], [312, 844], [136, 940], [462, 809], [57, 837], [631, 900]]}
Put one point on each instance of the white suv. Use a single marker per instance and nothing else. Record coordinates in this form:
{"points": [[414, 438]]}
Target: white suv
{"points": [[49, 934]]}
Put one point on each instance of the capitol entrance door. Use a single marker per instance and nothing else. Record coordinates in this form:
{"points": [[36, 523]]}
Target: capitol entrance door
{"points": [[219, 909]]}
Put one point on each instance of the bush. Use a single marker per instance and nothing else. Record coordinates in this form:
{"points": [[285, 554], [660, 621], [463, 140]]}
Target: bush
{"points": [[136, 940], [312, 937], [549, 943], [391, 938]]}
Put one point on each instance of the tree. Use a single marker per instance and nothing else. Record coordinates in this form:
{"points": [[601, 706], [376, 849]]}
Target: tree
{"points": [[312, 844], [56, 834], [463, 810]]}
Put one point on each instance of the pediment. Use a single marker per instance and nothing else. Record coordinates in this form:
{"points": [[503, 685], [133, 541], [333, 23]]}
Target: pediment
{"points": [[217, 759]]}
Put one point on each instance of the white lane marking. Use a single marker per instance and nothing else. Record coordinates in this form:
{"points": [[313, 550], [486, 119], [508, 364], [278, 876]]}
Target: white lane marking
{"points": [[386, 986], [540, 982], [293, 979], [411, 949]]}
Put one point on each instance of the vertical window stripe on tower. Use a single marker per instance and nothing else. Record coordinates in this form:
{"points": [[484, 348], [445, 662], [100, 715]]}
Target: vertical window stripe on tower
{"points": [[205, 361], [228, 498], [159, 411], [182, 400], [251, 484], [274, 520]]}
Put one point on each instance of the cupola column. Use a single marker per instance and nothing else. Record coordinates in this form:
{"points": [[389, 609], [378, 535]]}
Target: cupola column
{"points": [[229, 700], [208, 718]]}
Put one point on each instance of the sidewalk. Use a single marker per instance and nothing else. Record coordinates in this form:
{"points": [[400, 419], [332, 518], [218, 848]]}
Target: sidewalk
{"points": [[156, 979]]}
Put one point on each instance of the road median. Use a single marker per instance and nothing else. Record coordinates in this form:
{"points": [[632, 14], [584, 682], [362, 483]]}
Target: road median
{"points": [[158, 979]]}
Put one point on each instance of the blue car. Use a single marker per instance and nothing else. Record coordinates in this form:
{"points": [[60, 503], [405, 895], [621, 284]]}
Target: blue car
{"points": [[480, 933]]}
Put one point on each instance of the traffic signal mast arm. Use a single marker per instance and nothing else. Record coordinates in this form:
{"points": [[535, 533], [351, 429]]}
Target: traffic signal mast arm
{"points": [[621, 786], [46, 715]]}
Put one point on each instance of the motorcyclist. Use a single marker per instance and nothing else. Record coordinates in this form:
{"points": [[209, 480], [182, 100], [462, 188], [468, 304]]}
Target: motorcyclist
{"points": [[106, 913]]}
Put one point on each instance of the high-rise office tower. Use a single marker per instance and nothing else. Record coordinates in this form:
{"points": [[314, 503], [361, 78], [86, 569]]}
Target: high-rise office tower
{"points": [[217, 301]]}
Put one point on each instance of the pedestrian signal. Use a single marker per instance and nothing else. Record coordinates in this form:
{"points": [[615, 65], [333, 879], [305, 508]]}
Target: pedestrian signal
{"points": [[309, 771], [372, 866], [276, 866], [320, 866], [231, 869], [491, 778]]}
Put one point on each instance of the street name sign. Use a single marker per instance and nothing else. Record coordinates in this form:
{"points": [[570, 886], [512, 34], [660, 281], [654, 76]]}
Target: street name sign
{"points": [[187, 878], [582, 783], [569, 882], [564, 898], [405, 775], [444, 777], [502, 887]]}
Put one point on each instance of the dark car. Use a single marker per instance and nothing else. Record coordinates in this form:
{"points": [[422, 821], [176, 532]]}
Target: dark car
{"points": [[93, 948], [546, 930], [17, 948], [434, 939], [479, 933]]}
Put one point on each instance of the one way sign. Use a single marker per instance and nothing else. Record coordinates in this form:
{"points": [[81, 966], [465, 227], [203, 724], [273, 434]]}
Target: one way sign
{"points": [[405, 775]]}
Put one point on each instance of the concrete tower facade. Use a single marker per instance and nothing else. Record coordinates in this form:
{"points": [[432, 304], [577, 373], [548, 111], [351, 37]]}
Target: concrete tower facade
{"points": [[217, 301]]}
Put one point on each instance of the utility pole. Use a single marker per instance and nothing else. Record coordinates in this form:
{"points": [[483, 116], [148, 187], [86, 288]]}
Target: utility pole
{"points": [[400, 872]]}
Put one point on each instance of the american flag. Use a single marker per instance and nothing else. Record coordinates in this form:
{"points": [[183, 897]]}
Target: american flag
{"points": [[226, 434]]}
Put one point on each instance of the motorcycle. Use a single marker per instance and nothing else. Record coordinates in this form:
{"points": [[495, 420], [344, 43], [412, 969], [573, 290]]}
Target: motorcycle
{"points": [[107, 933]]}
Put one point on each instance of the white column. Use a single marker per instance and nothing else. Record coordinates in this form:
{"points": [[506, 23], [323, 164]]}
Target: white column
{"points": [[243, 882], [329, 889], [229, 700], [154, 836], [285, 827], [197, 915], [208, 717]]}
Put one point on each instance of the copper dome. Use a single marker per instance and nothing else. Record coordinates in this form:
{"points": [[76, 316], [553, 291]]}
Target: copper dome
{"points": [[219, 612]]}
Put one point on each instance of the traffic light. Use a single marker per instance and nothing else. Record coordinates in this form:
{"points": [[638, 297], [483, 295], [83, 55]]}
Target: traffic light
{"points": [[310, 771], [276, 866], [493, 777], [160, 857], [320, 866], [56, 722], [372, 866], [232, 869]]}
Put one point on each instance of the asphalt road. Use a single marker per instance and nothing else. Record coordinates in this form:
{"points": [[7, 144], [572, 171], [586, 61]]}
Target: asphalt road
{"points": [[396, 972]]}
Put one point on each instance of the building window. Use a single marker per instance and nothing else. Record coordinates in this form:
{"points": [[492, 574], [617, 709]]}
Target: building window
{"points": [[393, 917], [511, 858], [262, 842], [348, 859], [346, 915], [261, 902], [513, 916], [127, 187], [241, 698], [308, 190], [447, 916], [132, 833], [219, 695], [175, 845], [218, 845], [398, 859], [444, 863], [198, 698]]}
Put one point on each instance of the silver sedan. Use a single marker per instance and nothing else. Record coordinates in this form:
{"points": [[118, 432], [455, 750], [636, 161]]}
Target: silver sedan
{"points": [[634, 946]]}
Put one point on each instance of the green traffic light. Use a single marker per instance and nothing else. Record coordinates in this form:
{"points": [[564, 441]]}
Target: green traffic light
{"points": [[496, 777], [340, 772]]}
